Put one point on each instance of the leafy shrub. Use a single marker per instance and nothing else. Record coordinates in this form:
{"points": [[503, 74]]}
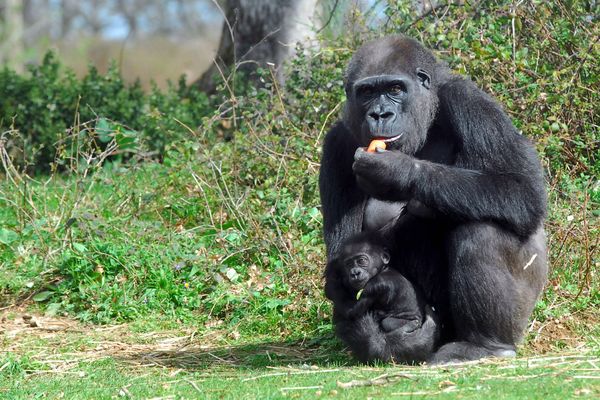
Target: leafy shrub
{"points": [[43, 105]]}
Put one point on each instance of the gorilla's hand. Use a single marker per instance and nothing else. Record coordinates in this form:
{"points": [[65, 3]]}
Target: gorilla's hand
{"points": [[386, 175]]}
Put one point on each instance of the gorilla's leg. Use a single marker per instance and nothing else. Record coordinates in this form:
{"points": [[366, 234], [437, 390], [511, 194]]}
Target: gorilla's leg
{"points": [[417, 345], [465, 351], [392, 323], [364, 337], [494, 281]]}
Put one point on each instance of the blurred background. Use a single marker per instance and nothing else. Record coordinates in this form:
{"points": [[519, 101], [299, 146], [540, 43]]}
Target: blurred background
{"points": [[150, 39]]}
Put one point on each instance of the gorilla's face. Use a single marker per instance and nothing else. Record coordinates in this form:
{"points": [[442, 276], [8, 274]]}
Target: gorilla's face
{"points": [[361, 262], [391, 92]]}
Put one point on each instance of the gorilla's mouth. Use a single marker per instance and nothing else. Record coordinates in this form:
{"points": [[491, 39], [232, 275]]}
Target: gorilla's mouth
{"points": [[392, 139], [358, 284], [389, 141]]}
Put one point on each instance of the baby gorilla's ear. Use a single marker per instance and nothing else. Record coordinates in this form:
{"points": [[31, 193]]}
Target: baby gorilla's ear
{"points": [[385, 256]]}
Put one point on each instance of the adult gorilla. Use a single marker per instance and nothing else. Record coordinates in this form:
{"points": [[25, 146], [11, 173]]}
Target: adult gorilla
{"points": [[459, 190]]}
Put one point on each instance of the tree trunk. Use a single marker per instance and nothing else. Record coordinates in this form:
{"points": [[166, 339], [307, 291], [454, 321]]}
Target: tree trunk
{"points": [[259, 33]]}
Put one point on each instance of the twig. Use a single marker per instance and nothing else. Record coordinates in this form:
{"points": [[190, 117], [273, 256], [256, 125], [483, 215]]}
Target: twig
{"points": [[229, 27], [377, 381], [531, 260], [333, 9], [194, 385], [301, 388], [588, 255], [323, 371], [317, 141], [514, 34]]}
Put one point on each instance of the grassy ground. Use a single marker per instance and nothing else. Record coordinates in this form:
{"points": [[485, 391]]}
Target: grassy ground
{"points": [[59, 358], [217, 297], [209, 308]]}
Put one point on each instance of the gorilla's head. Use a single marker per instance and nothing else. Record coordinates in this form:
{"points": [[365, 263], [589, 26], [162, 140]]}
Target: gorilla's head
{"points": [[391, 89]]}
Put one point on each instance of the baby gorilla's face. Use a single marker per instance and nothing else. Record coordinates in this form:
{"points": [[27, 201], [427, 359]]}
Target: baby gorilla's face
{"points": [[361, 262], [359, 269]]}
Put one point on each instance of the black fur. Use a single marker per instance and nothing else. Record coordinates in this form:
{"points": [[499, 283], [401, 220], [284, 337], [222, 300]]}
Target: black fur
{"points": [[365, 291], [461, 192]]}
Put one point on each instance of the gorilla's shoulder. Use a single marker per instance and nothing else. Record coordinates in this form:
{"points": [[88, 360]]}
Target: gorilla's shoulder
{"points": [[339, 140], [338, 133]]}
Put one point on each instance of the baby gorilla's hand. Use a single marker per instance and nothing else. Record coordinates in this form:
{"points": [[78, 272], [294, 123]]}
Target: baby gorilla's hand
{"points": [[358, 310]]}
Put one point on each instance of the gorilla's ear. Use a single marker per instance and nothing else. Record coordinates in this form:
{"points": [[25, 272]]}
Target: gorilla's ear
{"points": [[385, 256], [424, 78]]}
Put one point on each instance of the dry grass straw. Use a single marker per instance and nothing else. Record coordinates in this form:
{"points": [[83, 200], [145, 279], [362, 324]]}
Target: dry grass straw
{"points": [[61, 345]]}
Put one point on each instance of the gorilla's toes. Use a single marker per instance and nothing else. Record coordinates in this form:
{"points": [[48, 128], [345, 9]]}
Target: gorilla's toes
{"points": [[456, 352]]}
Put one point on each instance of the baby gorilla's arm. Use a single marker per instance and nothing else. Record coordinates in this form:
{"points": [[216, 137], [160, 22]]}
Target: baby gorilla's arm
{"points": [[374, 291], [364, 304]]}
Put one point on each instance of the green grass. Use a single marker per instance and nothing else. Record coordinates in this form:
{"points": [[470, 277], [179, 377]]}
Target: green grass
{"points": [[144, 251], [84, 362], [107, 379]]}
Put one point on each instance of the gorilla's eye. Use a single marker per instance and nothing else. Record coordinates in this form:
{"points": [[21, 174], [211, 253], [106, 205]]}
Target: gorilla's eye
{"points": [[397, 89], [362, 261], [424, 78], [366, 91]]}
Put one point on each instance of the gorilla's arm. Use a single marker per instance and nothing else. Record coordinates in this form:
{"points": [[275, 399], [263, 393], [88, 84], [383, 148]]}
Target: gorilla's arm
{"points": [[381, 290], [341, 201], [496, 177]]}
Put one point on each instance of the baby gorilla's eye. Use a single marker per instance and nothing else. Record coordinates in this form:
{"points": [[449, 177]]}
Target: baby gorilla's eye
{"points": [[362, 261]]}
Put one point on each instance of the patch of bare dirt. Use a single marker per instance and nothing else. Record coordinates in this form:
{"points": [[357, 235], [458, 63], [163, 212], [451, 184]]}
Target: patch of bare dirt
{"points": [[61, 344], [568, 332]]}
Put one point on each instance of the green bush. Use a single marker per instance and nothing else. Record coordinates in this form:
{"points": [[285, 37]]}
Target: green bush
{"points": [[41, 107]]}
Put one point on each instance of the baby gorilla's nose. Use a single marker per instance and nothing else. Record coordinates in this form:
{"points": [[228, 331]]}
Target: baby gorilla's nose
{"points": [[355, 273]]}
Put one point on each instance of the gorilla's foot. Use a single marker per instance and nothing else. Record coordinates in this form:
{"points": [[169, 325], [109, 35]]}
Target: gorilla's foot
{"points": [[455, 352]]}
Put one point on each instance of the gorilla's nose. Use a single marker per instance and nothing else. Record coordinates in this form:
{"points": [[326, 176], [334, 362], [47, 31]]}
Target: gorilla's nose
{"points": [[355, 273], [381, 115]]}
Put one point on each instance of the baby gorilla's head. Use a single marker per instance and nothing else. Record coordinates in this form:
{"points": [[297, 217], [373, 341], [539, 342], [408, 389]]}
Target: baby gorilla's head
{"points": [[361, 259]]}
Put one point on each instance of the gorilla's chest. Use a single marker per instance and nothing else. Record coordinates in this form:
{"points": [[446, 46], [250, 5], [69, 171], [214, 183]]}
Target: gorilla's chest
{"points": [[439, 148], [379, 213]]}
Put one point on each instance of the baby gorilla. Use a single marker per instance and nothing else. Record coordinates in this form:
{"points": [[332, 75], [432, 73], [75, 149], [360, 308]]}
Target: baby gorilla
{"points": [[372, 298], [378, 288]]}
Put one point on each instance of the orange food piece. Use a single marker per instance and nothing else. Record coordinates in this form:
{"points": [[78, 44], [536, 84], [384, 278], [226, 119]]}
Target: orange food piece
{"points": [[376, 144]]}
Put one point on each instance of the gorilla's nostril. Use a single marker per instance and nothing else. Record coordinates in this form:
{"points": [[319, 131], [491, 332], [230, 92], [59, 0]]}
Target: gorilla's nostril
{"points": [[384, 115], [355, 273]]}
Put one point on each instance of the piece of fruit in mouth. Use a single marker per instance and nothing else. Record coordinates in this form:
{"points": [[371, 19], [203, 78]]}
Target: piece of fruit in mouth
{"points": [[376, 144]]}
